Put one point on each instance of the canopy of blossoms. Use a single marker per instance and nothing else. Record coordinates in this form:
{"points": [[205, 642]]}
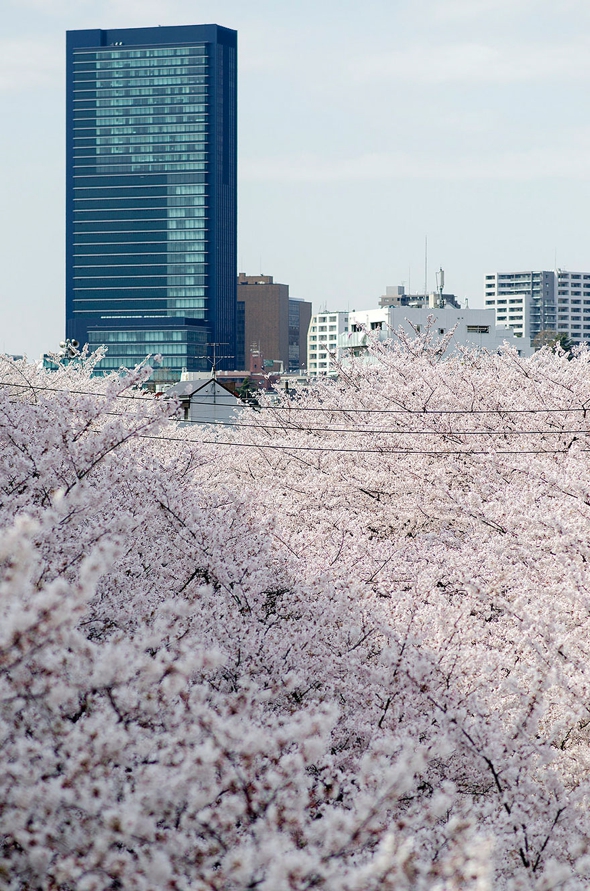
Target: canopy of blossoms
{"points": [[341, 644]]}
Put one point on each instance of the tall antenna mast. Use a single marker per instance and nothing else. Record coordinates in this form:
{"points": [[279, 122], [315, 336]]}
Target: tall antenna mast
{"points": [[426, 266]]}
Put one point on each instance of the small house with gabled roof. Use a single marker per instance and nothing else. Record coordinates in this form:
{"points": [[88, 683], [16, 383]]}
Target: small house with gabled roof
{"points": [[206, 401]]}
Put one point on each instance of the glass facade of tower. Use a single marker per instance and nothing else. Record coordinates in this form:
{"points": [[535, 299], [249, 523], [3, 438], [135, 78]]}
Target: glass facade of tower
{"points": [[151, 194]]}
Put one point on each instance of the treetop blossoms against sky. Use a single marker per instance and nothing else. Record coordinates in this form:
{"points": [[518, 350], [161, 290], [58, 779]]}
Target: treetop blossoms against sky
{"points": [[342, 645]]}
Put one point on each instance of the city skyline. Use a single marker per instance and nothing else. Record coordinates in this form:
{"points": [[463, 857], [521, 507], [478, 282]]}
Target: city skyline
{"points": [[358, 137]]}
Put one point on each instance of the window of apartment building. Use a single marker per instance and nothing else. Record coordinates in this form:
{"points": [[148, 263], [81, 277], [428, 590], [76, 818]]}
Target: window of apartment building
{"points": [[333, 328], [490, 277], [333, 318], [313, 337], [500, 302], [323, 328], [576, 293], [475, 329], [518, 300], [576, 276], [576, 302], [313, 328], [490, 302], [561, 300], [515, 318]]}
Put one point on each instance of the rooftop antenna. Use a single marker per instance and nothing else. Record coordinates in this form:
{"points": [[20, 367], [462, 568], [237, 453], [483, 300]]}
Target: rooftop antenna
{"points": [[426, 265], [215, 358], [440, 284]]}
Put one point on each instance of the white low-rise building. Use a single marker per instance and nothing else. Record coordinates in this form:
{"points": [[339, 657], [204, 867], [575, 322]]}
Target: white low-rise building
{"points": [[334, 336], [472, 328]]}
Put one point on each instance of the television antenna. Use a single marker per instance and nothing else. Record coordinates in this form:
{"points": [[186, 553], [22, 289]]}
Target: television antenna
{"points": [[215, 358]]}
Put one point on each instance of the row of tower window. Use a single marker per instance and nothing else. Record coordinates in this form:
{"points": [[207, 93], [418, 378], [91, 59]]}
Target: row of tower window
{"points": [[139, 53]]}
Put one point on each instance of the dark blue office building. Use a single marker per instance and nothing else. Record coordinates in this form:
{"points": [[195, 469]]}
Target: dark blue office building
{"points": [[151, 194]]}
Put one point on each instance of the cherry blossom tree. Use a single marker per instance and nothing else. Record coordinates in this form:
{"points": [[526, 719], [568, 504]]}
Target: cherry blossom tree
{"points": [[341, 644]]}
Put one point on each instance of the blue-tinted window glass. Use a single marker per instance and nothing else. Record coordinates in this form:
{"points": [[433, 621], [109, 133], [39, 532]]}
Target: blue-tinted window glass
{"points": [[144, 137]]}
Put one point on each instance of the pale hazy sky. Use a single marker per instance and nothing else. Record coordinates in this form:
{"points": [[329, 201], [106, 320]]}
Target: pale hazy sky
{"points": [[363, 127]]}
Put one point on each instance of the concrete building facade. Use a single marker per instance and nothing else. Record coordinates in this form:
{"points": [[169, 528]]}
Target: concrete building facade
{"points": [[472, 328], [322, 341], [525, 301], [335, 336], [547, 300], [573, 305]]}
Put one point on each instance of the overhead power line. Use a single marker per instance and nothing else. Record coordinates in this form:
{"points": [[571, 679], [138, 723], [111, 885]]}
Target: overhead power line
{"points": [[337, 430], [415, 411], [380, 451], [290, 407]]}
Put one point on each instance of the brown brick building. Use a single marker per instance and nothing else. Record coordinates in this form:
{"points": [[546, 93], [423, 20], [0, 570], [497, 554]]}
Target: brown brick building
{"points": [[273, 323]]}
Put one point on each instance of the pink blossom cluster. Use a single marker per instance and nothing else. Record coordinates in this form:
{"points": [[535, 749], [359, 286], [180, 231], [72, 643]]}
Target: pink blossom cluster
{"points": [[341, 644]]}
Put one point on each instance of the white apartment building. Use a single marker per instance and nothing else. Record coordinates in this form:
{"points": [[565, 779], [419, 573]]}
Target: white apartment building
{"points": [[573, 304], [472, 328], [531, 302], [322, 341]]}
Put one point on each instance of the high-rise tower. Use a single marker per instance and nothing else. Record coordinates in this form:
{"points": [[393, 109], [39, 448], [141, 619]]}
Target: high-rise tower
{"points": [[151, 194]]}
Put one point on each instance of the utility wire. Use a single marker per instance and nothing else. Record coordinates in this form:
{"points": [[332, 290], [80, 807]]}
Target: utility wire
{"points": [[362, 430], [379, 451], [76, 392], [566, 431], [415, 411], [402, 432], [290, 408]]}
